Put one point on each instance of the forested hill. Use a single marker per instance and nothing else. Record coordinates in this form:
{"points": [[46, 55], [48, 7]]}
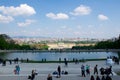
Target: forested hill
{"points": [[6, 38], [7, 43], [109, 44]]}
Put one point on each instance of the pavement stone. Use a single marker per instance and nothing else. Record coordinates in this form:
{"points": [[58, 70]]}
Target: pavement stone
{"points": [[43, 69]]}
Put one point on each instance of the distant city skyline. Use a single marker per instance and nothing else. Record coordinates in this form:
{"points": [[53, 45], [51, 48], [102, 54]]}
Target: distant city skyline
{"points": [[60, 18]]}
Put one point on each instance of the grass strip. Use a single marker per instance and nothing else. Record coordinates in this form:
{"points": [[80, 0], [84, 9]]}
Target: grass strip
{"points": [[83, 60]]}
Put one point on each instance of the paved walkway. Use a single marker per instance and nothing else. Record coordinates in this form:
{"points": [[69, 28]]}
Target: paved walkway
{"points": [[54, 78], [74, 71]]}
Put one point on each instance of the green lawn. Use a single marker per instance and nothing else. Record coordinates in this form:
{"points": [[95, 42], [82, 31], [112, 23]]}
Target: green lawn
{"points": [[83, 60]]}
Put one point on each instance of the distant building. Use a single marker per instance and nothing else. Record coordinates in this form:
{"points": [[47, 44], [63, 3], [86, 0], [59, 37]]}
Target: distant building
{"points": [[60, 45]]}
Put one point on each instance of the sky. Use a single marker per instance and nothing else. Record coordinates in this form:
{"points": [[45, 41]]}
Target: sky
{"points": [[60, 18]]}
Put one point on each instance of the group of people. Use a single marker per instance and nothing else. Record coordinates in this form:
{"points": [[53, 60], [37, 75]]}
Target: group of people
{"points": [[33, 74], [102, 78], [112, 60], [106, 71], [85, 69], [103, 71], [115, 59], [17, 69], [4, 61]]}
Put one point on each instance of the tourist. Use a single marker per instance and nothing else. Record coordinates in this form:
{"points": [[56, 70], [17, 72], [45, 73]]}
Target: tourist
{"points": [[49, 77], [65, 61], [33, 75], [97, 78], [21, 60], [10, 61], [4, 63], [96, 70], [108, 78], [17, 69], [103, 77], [87, 69], [107, 72], [83, 70], [117, 61], [1, 60], [102, 71], [76, 61], [59, 60], [59, 71], [16, 60], [27, 60], [110, 70], [92, 77]]}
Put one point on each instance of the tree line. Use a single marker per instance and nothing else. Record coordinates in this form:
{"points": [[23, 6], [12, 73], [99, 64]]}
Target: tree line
{"points": [[6, 43], [108, 44]]}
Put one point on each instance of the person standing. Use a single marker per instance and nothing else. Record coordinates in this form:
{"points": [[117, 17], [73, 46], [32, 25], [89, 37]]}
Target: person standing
{"points": [[87, 69], [83, 70], [59, 60], [65, 61], [110, 70], [96, 70], [59, 71], [102, 71], [17, 69], [10, 61]]}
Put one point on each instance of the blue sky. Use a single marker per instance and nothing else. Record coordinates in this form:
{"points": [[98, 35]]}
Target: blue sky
{"points": [[60, 18]]}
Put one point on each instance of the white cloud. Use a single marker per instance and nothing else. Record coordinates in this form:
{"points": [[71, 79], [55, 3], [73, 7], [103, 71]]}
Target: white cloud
{"points": [[5, 19], [26, 23], [102, 17], [57, 16], [23, 9], [81, 10]]}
